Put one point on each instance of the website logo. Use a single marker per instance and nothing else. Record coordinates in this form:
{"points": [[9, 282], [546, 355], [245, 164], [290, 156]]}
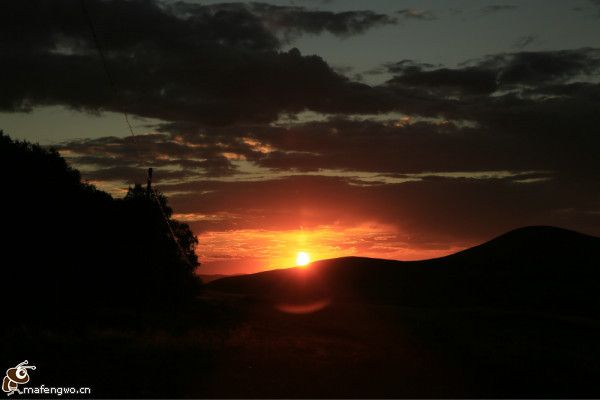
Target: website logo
{"points": [[16, 376]]}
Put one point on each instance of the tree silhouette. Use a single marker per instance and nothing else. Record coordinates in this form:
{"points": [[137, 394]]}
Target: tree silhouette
{"points": [[71, 249], [184, 237]]}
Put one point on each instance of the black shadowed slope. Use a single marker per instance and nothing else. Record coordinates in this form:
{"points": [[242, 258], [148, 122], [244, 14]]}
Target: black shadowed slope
{"points": [[514, 317], [540, 267]]}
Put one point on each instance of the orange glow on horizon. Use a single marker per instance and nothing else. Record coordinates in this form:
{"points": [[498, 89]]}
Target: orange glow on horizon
{"points": [[242, 251]]}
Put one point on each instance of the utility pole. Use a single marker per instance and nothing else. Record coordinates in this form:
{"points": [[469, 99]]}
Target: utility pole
{"points": [[149, 183]]}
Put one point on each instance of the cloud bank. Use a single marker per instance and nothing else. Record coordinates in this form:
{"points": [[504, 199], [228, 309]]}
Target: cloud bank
{"points": [[257, 138]]}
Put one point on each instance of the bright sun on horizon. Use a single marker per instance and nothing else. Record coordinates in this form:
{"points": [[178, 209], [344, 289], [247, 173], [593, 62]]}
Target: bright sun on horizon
{"points": [[302, 258]]}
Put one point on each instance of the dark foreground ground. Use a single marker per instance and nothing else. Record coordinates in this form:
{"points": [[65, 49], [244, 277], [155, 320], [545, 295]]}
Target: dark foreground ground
{"points": [[518, 316], [230, 346]]}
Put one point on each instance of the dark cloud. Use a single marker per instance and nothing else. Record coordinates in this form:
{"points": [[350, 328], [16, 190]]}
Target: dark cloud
{"points": [[595, 4], [291, 19], [524, 41], [502, 71], [217, 64], [184, 25], [132, 175], [524, 137], [220, 64], [525, 111], [423, 15], [497, 8], [541, 67], [470, 80], [301, 20], [518, 112], [115, 158], [582, 91], [217, 77], [553, 138]]}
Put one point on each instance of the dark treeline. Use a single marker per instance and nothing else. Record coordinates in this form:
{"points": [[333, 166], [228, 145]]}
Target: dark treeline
{"points": [[70, 250]]}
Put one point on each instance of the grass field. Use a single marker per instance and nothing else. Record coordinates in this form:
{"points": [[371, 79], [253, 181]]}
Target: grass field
{"points": [[230, 346]]}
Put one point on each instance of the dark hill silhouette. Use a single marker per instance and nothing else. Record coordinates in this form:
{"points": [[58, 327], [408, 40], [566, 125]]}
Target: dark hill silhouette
{"points": [[541, 267], [206, 278]]}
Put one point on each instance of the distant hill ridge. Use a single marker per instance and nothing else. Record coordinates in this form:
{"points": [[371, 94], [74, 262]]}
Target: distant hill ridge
{"points": [[538, 266]]}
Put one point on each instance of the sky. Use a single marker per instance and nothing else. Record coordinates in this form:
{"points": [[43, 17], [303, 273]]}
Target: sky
{"points": [[391, 129]]}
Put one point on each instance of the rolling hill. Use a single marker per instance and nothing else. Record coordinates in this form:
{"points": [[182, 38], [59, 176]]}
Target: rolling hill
{"points": [[539, 267]]}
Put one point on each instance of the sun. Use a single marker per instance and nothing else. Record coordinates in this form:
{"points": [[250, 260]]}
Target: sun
{"points": [[302, 258]]}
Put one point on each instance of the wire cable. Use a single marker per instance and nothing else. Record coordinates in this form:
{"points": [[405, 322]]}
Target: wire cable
{"points": [[109, 76], [116, 92]]}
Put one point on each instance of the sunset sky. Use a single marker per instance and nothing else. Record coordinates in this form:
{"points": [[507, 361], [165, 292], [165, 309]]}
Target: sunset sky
{"points": [[391, 129]]}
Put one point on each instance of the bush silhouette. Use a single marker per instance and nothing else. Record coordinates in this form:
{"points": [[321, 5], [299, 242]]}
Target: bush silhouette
{"points": [[71, 249]]}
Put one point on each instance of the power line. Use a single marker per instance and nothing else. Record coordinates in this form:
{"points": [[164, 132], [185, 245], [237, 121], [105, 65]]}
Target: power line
{"points": [[104, 62], [162, 211], [118, 97]]}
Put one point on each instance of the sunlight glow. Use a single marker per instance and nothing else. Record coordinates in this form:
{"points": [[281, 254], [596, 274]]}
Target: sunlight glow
{"points": [[244, 251], [302, 258]]}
